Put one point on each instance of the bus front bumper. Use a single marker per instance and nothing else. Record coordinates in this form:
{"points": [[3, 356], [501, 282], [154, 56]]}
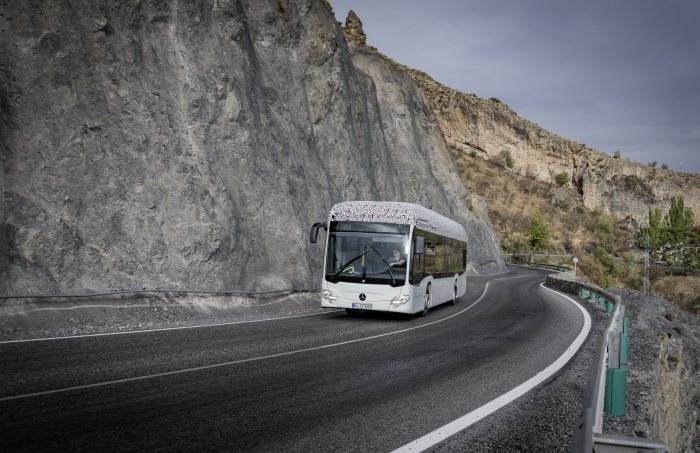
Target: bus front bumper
{"points": [[375, 305]]}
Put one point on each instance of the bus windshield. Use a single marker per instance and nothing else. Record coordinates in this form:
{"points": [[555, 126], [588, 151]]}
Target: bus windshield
{"points": [[366, 252]]}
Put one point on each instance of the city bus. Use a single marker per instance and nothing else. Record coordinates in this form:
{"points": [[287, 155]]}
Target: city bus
{"points": [[391, 257]]}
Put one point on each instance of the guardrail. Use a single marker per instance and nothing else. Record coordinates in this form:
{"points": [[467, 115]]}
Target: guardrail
{"points": [[606, 388]]}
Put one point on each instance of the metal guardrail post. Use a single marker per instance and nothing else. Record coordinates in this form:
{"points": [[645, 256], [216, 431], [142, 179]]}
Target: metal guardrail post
{"points": [[624, 342], [624, 349], [615, 375], [615, 390], [614, 349]]}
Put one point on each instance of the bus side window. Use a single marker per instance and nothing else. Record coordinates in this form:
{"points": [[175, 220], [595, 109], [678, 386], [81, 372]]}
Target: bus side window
{"points": [[418, 263]]}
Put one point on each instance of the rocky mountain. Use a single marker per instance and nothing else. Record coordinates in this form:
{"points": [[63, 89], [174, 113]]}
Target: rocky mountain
{"points": [[190, 145], [488, 126]]}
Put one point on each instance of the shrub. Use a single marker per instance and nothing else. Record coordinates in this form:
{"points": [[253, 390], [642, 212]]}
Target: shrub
{"points": [[652, 164], [507, 158], [561, 178], [472, 153], [617, 154], [516, 245], [664, 166], [496, 100], [605, 230], [694, 305], [538, 232], [592, 269], [568, 244]]}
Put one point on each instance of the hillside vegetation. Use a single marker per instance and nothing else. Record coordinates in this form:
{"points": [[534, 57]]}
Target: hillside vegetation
{"points": [[550, 195]]}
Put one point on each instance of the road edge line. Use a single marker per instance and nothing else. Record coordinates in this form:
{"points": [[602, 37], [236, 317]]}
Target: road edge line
{"points": [[455, 426]]}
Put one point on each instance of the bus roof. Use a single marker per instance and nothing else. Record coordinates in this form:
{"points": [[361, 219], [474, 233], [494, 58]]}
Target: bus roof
{"points": [[397, 212]]}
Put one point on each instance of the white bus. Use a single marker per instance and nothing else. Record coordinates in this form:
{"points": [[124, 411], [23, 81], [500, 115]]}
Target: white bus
{"points": [[390, 256]]}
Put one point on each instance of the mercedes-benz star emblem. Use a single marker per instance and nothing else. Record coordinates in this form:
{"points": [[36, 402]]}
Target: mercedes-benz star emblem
{"points": [[362, 296]]}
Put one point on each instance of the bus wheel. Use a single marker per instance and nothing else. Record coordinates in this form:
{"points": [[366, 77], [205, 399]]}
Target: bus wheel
{"points": [[428, 301], [454, 296]]}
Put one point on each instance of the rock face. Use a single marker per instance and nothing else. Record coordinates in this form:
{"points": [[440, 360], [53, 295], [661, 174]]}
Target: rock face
{"points": [[624, 188], [353, 28], [190, 145]]}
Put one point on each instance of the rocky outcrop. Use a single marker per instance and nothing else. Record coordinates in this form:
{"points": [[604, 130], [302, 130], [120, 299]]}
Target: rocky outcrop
{"points": [[663, 389], [627, 189], [353, 28], [190, 145]]}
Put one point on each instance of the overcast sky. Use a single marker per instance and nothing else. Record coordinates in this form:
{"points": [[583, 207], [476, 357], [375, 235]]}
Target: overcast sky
{"points": [[616, 75]]}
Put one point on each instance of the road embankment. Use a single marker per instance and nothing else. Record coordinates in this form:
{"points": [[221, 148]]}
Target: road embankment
{"points": [[22, 319]]}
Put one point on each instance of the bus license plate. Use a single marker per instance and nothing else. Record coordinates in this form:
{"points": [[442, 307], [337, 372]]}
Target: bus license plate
{"points": [[362, 306]]}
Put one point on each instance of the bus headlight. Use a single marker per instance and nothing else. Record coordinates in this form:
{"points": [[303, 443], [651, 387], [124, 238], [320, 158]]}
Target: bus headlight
{"points": [[329, 296], [400, 300]]}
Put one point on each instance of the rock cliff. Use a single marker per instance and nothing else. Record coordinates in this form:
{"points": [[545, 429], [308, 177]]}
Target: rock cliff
{"points": [[487, 126], [190, 145]]}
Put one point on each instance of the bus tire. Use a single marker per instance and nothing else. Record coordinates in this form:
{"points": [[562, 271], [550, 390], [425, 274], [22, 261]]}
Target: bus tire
{"points": [[454, 295], [427, 301]]}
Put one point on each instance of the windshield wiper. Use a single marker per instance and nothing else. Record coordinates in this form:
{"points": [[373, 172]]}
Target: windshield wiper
{"points": [[342, 268], [393, 282]]}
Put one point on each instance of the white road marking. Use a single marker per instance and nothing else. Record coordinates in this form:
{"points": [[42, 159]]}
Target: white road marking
{"points": [[252, 359], [127, 332], [452, 428]]}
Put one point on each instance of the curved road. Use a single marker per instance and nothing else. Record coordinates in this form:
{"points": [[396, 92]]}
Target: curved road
{"points": [[314, 383]]}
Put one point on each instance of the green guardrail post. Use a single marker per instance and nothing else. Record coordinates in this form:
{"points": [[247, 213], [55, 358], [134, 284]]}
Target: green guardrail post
{"points": [[601, 301], [615, 388], [610, 307], [624, 348], [584, 293], [624, 341], [593, 296]]}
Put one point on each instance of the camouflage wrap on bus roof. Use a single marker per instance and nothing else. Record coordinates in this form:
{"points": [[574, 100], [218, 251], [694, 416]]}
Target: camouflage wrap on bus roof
{"points": [[397, 212]]}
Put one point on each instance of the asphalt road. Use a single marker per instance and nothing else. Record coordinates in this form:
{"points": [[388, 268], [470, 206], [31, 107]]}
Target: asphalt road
{"points": [[315, 383]]}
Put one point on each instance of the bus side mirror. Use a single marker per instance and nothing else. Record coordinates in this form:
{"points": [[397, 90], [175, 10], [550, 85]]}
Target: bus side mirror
{"points": [[419, 247], [313, 234]]}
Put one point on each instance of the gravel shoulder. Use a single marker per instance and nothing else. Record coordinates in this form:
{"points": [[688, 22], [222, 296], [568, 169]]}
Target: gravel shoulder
{"points": [[554, 406], [24, 319]]}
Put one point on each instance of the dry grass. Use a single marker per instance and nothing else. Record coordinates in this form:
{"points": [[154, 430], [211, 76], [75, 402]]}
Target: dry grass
{"points": [[512, 199], [681, 290]]}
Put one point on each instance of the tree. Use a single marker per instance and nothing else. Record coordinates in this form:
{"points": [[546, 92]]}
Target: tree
{"points": [[537, 232], [679, 220], [653, 230], [672, 236]]}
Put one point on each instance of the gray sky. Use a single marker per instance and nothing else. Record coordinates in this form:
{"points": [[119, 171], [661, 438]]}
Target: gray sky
{"points": [[615, 75]]}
